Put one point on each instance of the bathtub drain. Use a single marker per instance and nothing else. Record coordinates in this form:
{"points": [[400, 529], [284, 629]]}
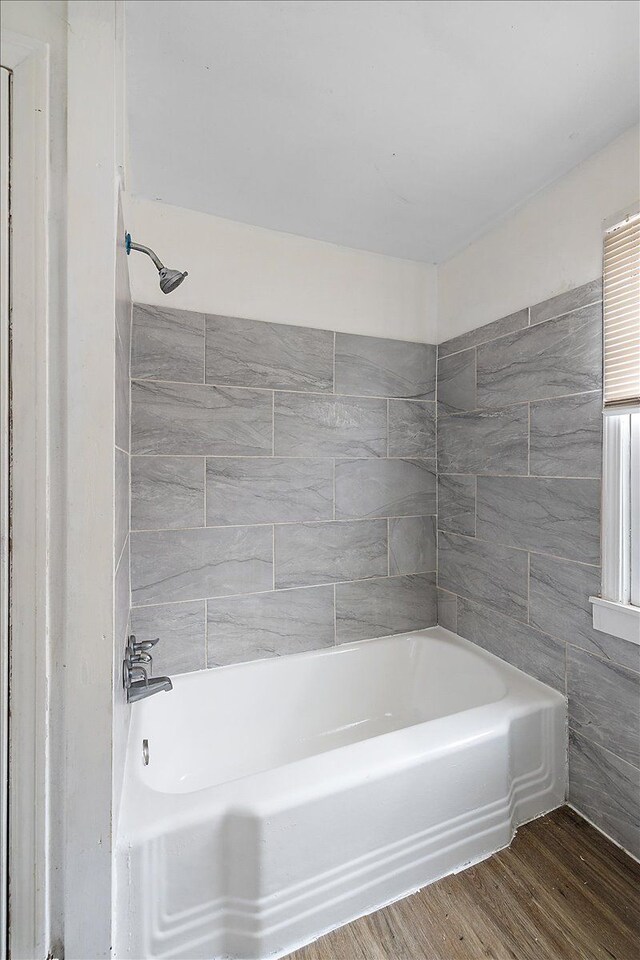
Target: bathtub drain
{"points": [[145, 752]]}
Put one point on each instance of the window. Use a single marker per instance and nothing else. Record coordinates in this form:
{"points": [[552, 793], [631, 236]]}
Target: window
{"points": [[617, 611]]}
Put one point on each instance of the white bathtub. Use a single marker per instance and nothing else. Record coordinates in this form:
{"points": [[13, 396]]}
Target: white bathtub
{"points": [[285, 797]]}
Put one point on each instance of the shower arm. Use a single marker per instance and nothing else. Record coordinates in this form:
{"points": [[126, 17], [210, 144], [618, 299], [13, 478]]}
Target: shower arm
{"points": [[131, 245]]}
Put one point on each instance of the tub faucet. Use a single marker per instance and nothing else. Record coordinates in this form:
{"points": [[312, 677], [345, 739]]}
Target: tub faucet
{"points": [[135, 678], [139, 689]]}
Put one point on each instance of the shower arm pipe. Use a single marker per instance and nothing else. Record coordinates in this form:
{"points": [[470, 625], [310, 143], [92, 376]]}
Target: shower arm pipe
{"points": [[132, 245]]}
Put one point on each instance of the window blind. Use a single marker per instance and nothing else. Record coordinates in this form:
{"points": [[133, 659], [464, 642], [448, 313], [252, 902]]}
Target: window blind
{"points": [[621, 305]]}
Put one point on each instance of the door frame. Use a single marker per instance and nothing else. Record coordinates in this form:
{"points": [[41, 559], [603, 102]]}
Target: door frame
{"points": [[28, 805], [5, 152]]}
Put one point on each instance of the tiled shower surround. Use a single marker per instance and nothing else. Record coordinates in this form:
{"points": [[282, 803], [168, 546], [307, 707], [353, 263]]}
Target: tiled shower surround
{"points": [[519, 463], [284, 499], [283, 487]]}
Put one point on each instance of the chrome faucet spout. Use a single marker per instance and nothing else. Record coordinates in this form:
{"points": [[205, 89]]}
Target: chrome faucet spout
{"points": [[140, 689]]}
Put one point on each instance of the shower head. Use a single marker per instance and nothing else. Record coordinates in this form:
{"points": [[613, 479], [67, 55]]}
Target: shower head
{"points": [[169, 279]]}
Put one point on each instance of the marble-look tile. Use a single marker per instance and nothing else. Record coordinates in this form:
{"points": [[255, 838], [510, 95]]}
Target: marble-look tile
{"points": [[412, 545], [566, 436], [385, 488], [605, 789], [124, 305], [412, 428], [167, 492], [122, 599], [176, 565], [552, 359], [122, 394], [487, 441], [378, 608], [198, 420], [268, 490], [181, 628], [566, 302], [375, 367], [122, 343], [315, 553], [167, 344], [316, 426], [604, 703], [279, 356], [533, 652], [489, 331], [559, 592], [457, 382], [560, 517], [447, 610], [489, 573], [269, 625], [121, 498], [457, 503]]}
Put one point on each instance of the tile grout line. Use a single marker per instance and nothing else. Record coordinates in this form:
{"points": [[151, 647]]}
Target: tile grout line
{"points": [[507, 405], [509, 546], [285, 523], [206, 634], [529, 438], [269, 456], [261, 593], [519, 330], [323, 394]]}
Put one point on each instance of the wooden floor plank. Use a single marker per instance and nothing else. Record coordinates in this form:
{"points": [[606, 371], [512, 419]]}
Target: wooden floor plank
{"points": [[561, 891]]}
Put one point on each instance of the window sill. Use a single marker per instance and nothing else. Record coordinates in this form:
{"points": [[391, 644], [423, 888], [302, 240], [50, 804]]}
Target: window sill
{"points": [[619, 619]]}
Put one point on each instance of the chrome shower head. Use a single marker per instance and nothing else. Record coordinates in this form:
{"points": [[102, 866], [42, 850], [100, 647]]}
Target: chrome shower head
{"points": [[169, 279]]}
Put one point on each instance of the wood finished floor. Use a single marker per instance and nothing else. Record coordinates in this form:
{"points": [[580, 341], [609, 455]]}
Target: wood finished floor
{"points": [[560, 892]]}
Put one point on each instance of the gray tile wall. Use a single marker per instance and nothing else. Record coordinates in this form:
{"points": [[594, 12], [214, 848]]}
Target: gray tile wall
{"points": [[122, 459], [121, 462], [283, 487], [519, 467]]}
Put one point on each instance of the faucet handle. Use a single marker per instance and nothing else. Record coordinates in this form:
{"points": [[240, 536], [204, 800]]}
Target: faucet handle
{"points": [[132, 671], [137, 657], [140, 646]]}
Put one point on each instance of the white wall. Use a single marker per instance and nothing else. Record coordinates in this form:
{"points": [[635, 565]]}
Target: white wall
{"points": [[93, 143], [246, 271], [37, 915], [547, 246], [83, 146]]}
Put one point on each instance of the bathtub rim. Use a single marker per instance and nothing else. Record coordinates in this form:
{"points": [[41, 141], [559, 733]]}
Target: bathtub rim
{"points": [[147, 812]]}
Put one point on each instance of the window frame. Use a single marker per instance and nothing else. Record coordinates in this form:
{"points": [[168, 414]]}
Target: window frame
{"points": [[617, 610]]}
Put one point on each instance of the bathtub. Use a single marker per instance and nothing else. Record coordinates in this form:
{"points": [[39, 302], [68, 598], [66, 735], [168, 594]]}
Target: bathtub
{"points": [[285, 797]]}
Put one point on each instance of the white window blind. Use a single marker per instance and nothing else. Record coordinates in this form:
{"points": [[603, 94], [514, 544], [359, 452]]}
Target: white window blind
{"points": [[621, 305]]}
